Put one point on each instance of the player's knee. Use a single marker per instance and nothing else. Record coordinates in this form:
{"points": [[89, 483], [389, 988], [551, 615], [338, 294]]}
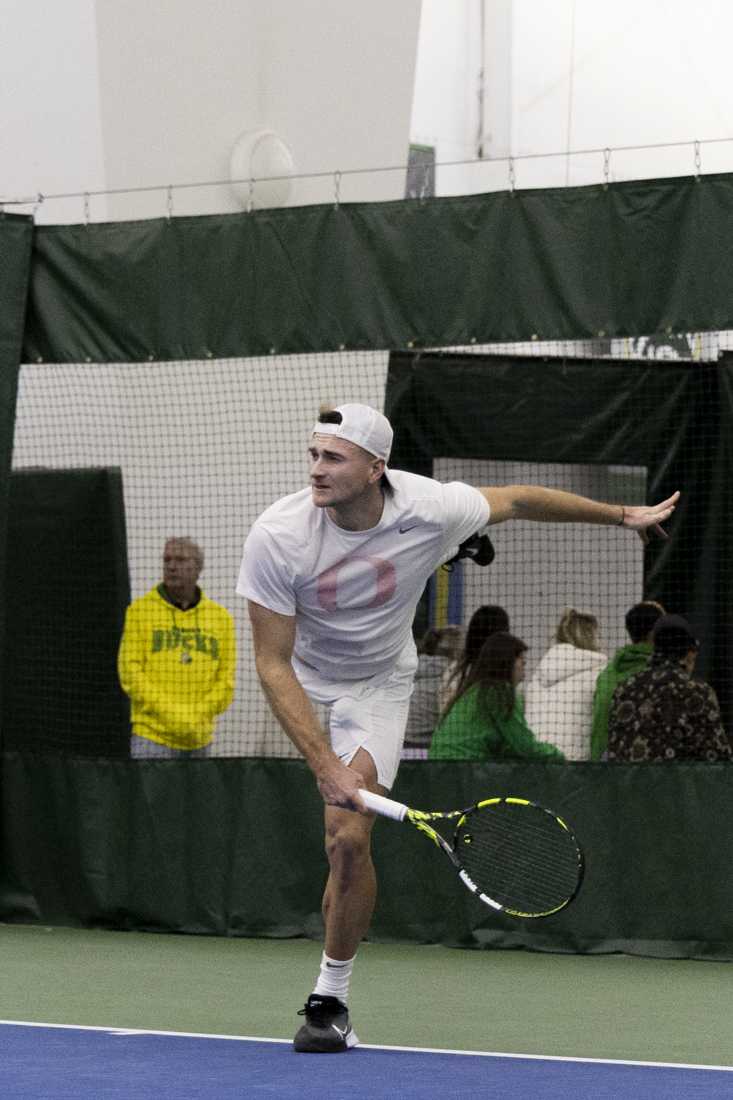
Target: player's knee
{"points": [[347, 845]]}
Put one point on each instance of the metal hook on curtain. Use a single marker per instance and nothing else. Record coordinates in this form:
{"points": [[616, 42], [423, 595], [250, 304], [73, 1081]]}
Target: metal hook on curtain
{"points": [[698, 162], [512, 175], [87, 201], [606, 167], [336, 190], [169, 202], [425, 187]]}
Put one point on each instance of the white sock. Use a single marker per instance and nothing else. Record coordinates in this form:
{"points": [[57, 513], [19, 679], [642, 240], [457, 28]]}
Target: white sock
{"points": [[334, 978]]}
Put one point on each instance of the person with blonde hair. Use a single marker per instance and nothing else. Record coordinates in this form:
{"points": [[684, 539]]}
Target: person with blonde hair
{"points": [[559, 696]]}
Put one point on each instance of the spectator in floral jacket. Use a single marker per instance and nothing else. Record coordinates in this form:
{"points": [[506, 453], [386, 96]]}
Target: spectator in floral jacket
{"points": [[661, 714]]}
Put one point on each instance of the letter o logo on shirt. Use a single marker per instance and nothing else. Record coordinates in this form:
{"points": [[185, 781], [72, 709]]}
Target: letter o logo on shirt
{"points": [[383, 573]]}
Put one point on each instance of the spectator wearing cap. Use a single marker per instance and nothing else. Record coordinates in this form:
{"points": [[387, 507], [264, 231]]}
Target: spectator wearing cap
{"points": [[661, 714], [640, 621]]}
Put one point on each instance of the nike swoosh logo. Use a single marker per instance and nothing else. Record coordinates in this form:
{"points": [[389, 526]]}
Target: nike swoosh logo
{"points": [[339, 1031], [336, 966], [404, 530]]}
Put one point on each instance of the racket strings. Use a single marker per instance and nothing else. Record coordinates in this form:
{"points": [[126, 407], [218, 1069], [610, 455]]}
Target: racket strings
{"points": [[520, 856]]}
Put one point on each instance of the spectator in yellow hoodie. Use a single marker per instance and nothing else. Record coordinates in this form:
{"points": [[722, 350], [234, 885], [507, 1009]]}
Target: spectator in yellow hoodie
{"points": [[177, 659]]}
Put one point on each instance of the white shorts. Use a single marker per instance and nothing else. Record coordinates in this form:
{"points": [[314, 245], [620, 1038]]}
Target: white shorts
{"points": [[363, 714]]}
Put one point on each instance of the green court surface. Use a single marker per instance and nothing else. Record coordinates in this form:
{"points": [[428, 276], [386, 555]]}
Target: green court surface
{"points": [[606, 1006]]}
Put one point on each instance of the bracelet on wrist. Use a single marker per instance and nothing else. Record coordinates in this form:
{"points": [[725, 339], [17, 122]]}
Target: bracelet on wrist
{"points": [[623, 517]]}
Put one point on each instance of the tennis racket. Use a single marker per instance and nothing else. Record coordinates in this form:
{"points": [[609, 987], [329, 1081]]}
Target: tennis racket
{"points": [[516, 856]]}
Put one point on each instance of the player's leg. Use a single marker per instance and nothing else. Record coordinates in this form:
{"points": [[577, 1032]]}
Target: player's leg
{"points": [[348, 904], [367, 730], [351, 889]]}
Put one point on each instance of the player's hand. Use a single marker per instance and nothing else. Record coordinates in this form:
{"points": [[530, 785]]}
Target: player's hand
{"points": [[340, 785], [646, 519]]}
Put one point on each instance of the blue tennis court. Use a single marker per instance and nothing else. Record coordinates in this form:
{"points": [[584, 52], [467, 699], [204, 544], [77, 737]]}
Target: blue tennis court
{"points": [[93, 1014], [69, 1063]]}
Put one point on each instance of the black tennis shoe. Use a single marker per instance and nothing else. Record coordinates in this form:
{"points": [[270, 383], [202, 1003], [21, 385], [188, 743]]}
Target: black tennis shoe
{"points": [[327, 1029]]}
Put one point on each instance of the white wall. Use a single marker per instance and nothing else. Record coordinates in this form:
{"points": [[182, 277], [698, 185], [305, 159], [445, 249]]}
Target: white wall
{"points": [[115, 95], [50, 129], [575, 74], [338, 85], [177, 82], [99, 93]]}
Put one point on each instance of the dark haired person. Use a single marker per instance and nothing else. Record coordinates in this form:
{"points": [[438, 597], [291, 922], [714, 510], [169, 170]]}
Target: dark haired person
{"points": [[436, 652], [332, 574], [485, 721], [661, 714], [626, 662], [485, 621]]}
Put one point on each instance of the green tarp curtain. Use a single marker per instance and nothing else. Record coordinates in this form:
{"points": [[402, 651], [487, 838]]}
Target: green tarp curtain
{"points": [[676, 419], [234, 847], [633, 258], [16, 241], [68, 590]]}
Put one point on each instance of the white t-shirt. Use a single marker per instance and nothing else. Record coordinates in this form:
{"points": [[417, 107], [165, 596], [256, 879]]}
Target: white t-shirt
{"points": [[354, 593]]}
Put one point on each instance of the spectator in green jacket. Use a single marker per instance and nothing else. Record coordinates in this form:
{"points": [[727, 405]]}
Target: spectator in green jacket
{"points": [[626, 661], [485, 720]]}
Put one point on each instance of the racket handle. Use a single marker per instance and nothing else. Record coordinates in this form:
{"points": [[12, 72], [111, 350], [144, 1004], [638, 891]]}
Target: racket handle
{"points": [[385, 807]]}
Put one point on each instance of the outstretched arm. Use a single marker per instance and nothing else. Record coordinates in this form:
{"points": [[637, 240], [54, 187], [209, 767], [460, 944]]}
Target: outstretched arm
{"points": [[555, 506], [274, 638]]}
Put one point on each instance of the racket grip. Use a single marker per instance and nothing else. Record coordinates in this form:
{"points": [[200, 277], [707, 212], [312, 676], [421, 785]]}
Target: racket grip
{"points": [[385, 807]]}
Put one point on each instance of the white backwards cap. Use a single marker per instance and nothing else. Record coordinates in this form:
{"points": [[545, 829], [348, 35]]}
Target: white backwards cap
{"points": [[363, 425]]}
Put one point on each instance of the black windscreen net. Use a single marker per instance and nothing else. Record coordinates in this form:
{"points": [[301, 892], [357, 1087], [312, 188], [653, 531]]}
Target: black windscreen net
{"points": [[111, 461]]}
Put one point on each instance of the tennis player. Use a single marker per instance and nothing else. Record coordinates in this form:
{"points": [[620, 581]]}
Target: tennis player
{"points": [[332, 575]]}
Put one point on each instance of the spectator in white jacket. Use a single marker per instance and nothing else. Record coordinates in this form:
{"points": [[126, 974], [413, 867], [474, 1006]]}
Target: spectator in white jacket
{"points": [[559, 697]]}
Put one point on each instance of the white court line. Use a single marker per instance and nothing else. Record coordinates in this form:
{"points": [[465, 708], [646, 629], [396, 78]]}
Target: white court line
{"points": [[123, 1031]]}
